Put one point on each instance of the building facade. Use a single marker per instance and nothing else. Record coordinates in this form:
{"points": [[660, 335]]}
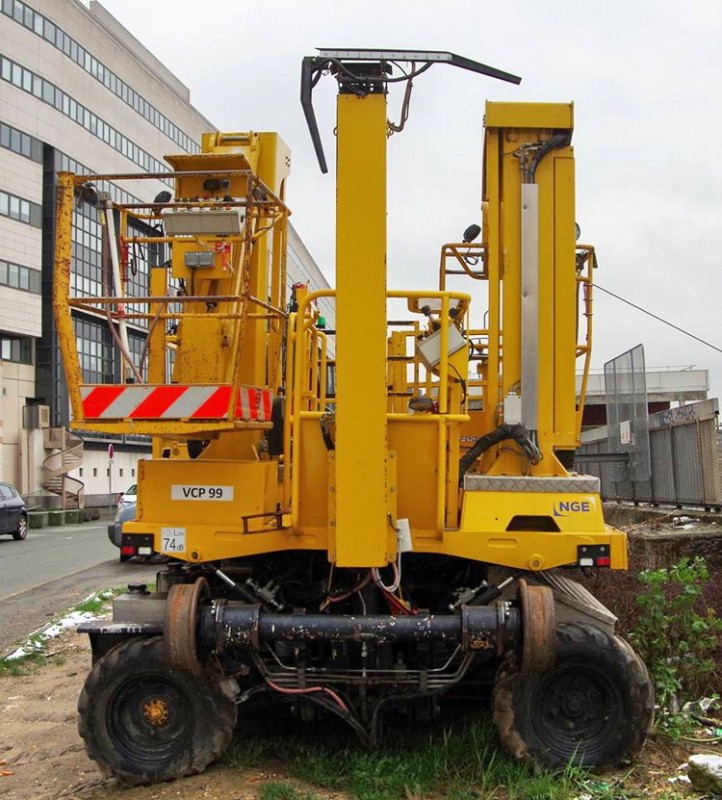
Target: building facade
{"points": [[77, 92]]}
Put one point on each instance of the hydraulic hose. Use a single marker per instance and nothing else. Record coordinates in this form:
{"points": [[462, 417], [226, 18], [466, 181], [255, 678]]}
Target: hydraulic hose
{"points": [[517, 433]]}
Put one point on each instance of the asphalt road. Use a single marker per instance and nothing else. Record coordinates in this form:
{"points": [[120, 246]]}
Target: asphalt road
{"points": [[53, 570]]}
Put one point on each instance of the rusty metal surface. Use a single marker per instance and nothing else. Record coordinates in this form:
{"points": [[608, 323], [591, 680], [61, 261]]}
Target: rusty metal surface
{"points": [[474, 628], [538, 628], [181, 624]]}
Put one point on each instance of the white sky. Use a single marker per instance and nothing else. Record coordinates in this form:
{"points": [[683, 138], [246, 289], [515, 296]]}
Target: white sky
{"points": [[642, 75]]}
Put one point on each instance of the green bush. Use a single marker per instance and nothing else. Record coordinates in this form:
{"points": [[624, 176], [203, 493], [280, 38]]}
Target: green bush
{"points": [[676, 634]]}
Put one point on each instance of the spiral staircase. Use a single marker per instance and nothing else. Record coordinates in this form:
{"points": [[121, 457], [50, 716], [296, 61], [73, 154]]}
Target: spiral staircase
{"points": [[68, 456]]}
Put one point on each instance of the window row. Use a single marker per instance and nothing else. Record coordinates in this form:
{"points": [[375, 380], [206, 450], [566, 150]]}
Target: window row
{"points": [[107, 470], [98, 358], [64, 163], [42, 26], [19, 277], [16, 348], [20, 209], [21, 143], [94, 350], [49, 93]]}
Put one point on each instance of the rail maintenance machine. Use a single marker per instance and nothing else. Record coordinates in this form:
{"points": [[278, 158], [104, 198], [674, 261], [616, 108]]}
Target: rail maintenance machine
{"points": [[361, 516]]}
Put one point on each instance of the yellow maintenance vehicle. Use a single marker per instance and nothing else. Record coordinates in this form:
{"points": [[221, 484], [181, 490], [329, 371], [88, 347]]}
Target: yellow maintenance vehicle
{"points": [[360, 517]]}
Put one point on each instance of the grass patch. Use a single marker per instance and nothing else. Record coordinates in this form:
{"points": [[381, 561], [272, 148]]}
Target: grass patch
{"points": [[35, 644], [28, 665], [282, 790], [92, 605], [461, 764]]}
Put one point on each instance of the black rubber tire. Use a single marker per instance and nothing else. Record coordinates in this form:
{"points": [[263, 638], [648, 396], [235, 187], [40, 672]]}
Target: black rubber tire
{"points": [[124, 691], [593, 709], [22, 530]]}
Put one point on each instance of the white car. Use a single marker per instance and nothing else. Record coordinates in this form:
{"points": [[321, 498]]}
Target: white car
{"points": [[129, 497]]}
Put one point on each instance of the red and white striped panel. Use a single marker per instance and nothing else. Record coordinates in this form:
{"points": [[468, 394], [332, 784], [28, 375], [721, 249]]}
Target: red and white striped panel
{"points": [[172, 401]]}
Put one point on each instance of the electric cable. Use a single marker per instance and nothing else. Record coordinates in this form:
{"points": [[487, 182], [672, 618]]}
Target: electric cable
{"points": [[659, 319]]}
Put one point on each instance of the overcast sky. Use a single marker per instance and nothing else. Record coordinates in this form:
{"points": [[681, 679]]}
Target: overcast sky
{"points": [[643, 76]]}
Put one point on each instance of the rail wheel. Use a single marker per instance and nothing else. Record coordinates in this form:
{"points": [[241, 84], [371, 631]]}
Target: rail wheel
{"points": [[593, 708], [144, 722]]}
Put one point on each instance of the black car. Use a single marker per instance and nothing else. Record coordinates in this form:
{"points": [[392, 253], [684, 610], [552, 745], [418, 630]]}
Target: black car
{"points": [[126, 512], [13, 514]]}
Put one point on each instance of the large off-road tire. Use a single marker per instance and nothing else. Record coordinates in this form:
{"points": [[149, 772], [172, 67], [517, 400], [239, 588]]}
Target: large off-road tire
{"points": [[143, 722], [594, 708]]}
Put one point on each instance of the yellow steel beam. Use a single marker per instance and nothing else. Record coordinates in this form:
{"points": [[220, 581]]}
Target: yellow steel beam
{"points": [[361, 528], [61, 289]]}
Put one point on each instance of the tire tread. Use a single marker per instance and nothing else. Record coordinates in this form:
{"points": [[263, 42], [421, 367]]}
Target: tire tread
{"points": [[203, 750], [577, 635]]}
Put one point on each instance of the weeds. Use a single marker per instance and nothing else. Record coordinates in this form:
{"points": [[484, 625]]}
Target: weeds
{"points": [[676, 636], [32, 654], [282, 790], [28, 665], [458, 764]]}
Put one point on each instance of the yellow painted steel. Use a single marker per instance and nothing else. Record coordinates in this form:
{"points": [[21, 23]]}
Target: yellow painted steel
{"points": [[539, 116], [361, 531], [356, 460], [61, 290]]}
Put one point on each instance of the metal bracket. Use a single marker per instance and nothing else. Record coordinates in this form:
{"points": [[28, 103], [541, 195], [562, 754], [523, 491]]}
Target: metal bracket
{"points": [[345, 66]]}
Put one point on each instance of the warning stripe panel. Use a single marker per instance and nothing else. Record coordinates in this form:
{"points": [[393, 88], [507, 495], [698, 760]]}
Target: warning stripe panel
{"points": [[171, 401], [155, 405], [254, 404]]}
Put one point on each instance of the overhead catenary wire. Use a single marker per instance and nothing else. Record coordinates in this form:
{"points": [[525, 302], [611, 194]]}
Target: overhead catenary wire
{"points": [[659, 319]]}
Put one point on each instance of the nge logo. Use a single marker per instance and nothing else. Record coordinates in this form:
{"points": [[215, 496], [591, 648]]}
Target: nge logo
{"points": [[564, 507]]}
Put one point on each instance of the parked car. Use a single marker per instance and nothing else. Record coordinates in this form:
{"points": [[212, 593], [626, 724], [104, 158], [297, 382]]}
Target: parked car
{"points": [[125, 513], [13, 513], [130, 495]]}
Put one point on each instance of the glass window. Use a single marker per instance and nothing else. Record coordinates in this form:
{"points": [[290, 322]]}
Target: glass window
{"points": [[16, 349], [36, 215], [35, 281]]}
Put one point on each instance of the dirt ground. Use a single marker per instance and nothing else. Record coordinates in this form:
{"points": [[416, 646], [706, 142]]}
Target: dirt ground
{"points": [[43, 758]]}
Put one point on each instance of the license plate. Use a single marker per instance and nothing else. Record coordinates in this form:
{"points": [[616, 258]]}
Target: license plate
{"points": [[173, 540]]}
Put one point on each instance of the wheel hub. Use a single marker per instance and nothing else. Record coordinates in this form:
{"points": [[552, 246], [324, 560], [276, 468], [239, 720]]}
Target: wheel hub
{"points": [[574, 705], [156, 712]]}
